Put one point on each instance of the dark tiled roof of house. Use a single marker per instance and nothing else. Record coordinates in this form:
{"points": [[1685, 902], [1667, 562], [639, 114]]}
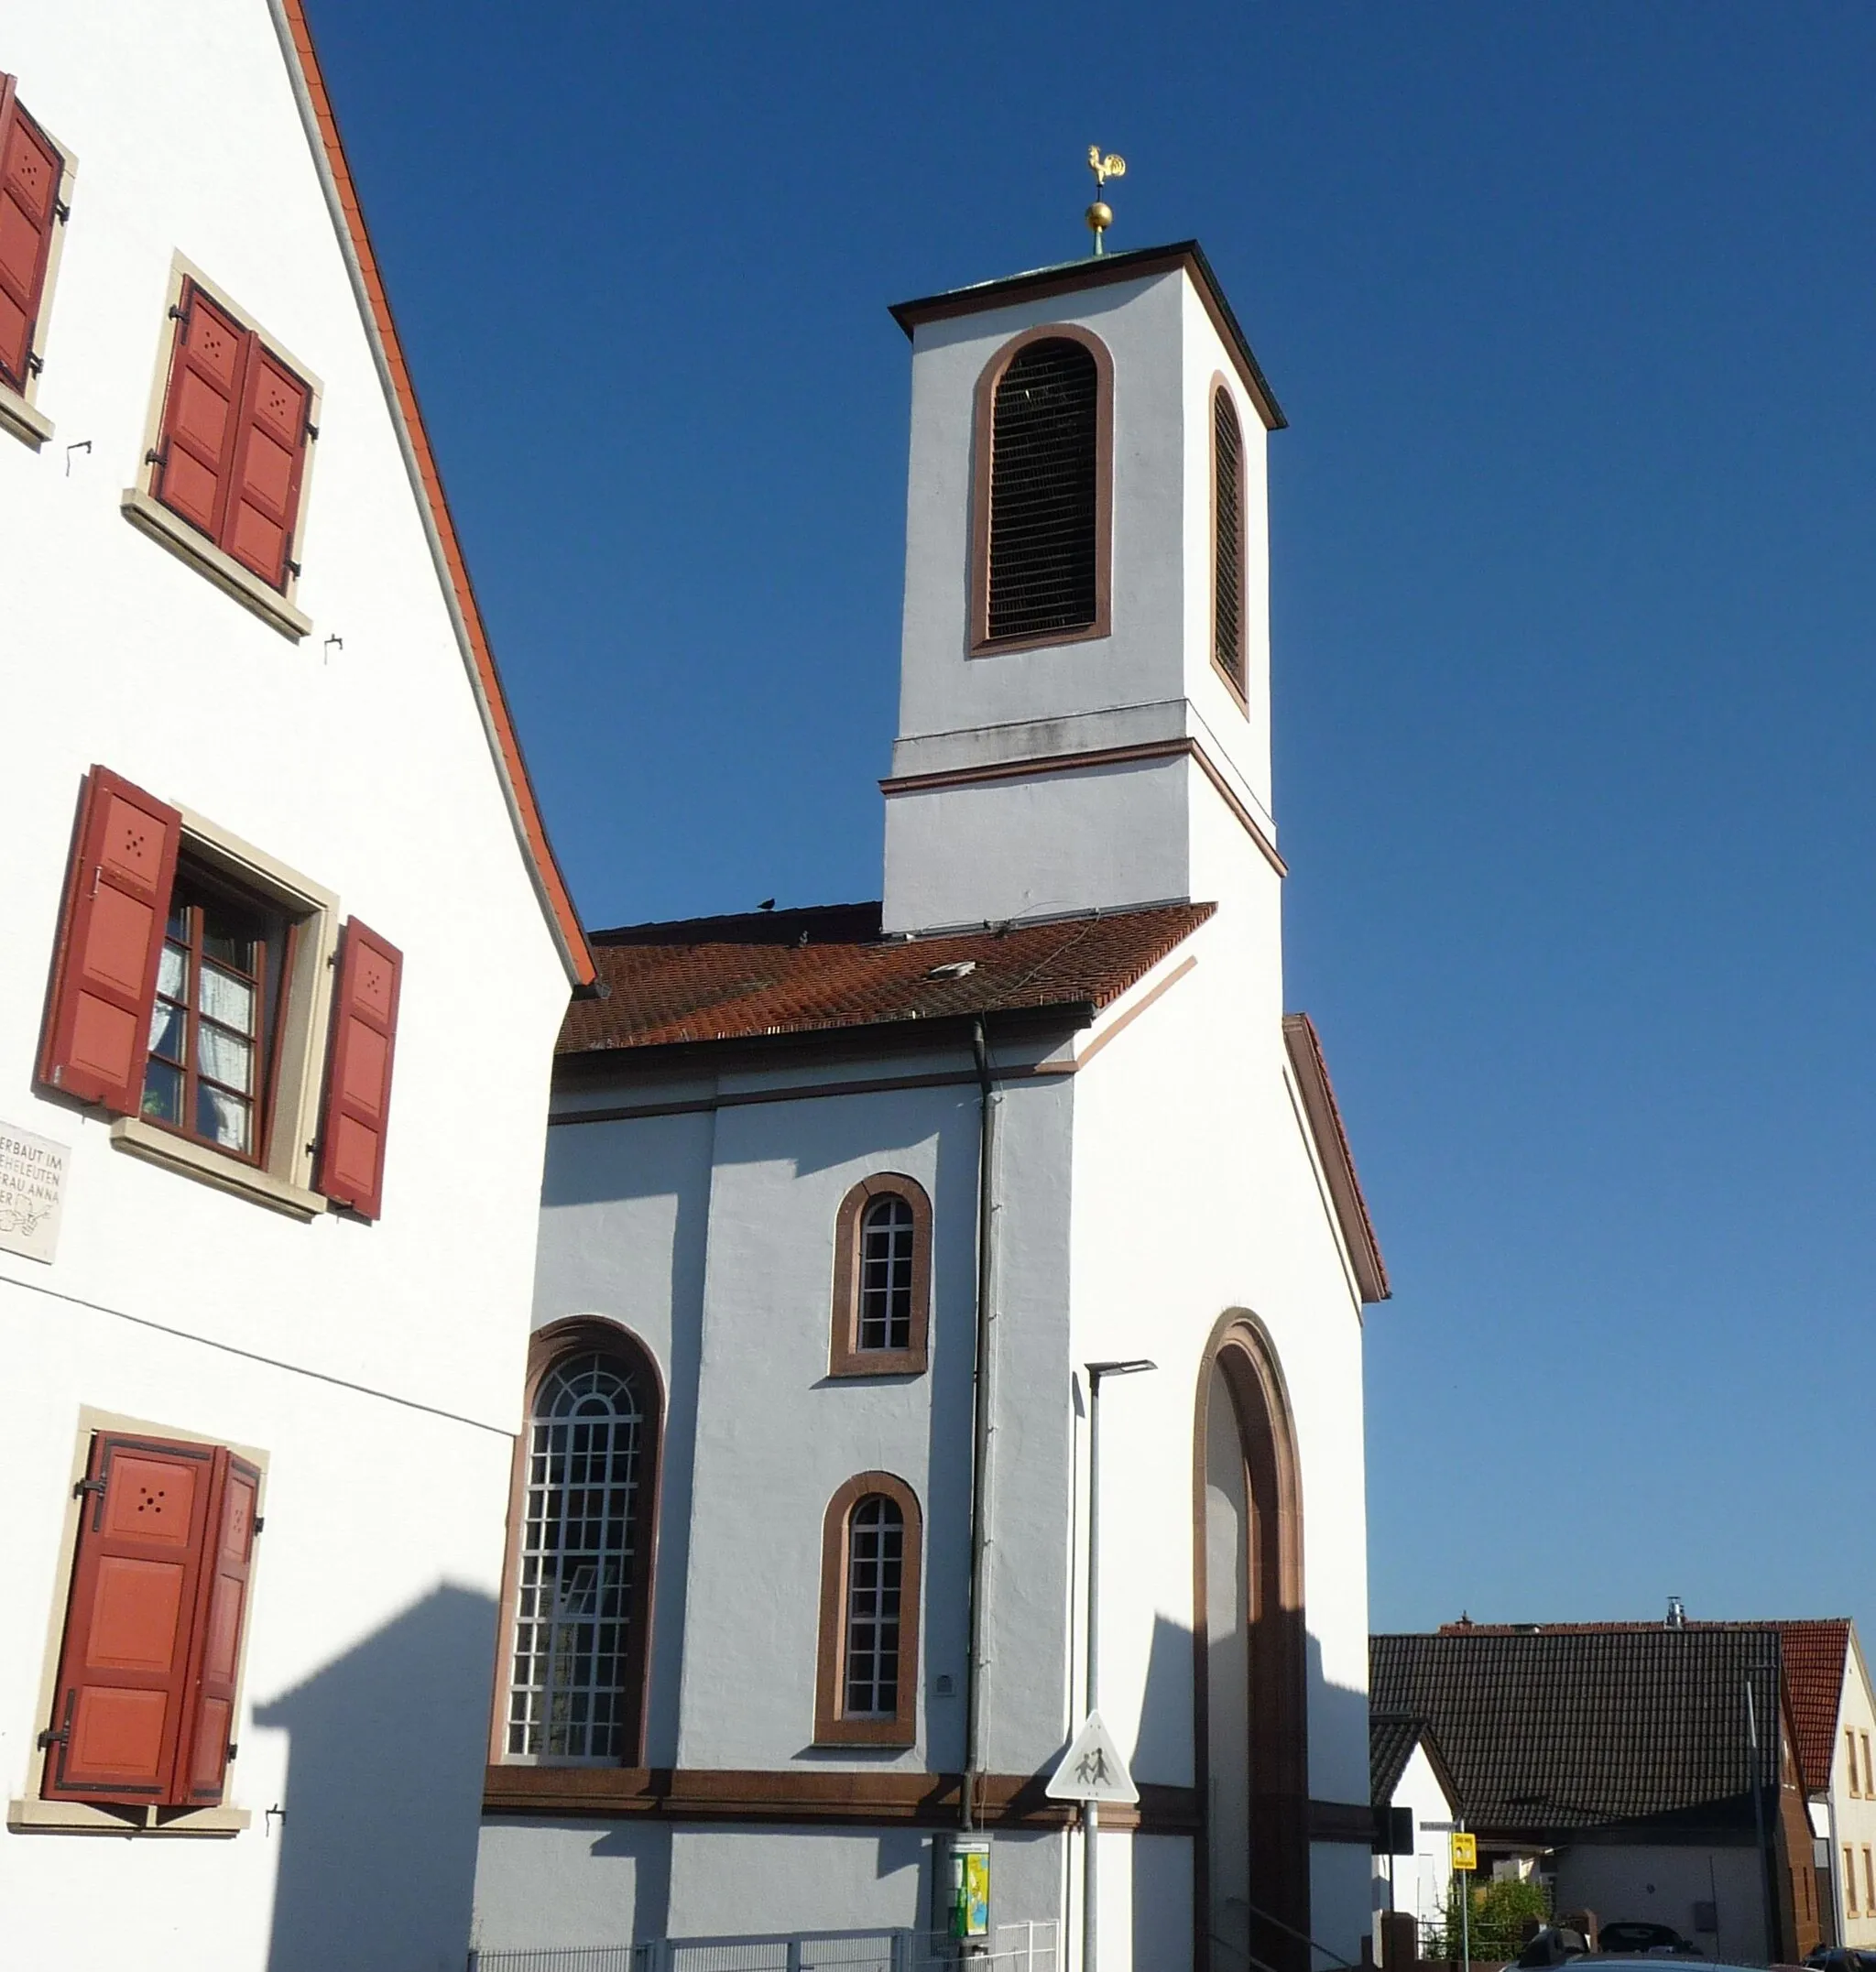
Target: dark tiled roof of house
{"points": [[1391, 1737], [1561, 1729], [1815, 1650], [791, 972]]}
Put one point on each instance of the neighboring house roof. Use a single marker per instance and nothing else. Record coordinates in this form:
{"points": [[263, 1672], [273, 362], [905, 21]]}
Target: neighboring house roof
{"points": [[1312, 1071], [1392, 1739], [1815, 1658], [1816, 1651], [797, 972], [341, 196], [1554, 1732]]}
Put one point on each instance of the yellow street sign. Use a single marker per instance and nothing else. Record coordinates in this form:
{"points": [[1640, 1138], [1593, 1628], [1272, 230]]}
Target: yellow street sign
{"points": [[1465, 1850]]}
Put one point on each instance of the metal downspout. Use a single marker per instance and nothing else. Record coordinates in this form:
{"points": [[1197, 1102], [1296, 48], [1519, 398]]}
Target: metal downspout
{"points": [[980, 1423]]}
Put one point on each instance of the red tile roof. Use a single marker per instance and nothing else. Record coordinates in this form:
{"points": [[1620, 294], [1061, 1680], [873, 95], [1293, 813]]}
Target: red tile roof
{"points": [[795, 972], [556, 900], [1312, 1071], [1815, 1651]]}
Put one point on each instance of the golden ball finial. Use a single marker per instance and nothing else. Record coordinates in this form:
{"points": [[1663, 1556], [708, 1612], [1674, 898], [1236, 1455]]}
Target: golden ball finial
{"points": [[1101, 216]]}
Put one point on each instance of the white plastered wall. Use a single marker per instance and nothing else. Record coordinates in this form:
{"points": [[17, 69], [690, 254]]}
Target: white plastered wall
{"points": [[1853, 1805], [1416, 1884], [363, 765], [1196, 1194], [1112, 835]]}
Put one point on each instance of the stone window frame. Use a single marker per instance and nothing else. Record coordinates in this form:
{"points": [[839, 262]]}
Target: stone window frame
{"points": [[846, 1357], [547, 1347], [831, 1727], [983, 423], [279, 608]]}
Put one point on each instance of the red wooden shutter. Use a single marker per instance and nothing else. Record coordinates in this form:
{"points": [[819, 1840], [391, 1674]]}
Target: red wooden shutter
{"points": [[196, 449], [30, 171], [269, 458], [123, 1669], [97, 1032], [215, 1658], [358, 1086]]}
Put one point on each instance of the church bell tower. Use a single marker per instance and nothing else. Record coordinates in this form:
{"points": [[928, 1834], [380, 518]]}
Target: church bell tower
{"points": [[1083, 690]]}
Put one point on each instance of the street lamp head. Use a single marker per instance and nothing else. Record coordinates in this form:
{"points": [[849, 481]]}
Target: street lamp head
{"points": [[1132, 1366]]}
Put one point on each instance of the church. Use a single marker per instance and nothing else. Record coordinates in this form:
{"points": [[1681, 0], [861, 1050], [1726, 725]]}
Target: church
{"points": [[857, 1219]]}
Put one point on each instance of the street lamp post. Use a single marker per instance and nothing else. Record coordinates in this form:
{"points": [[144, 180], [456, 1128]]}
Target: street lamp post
{"points": [[1090, 1810]]}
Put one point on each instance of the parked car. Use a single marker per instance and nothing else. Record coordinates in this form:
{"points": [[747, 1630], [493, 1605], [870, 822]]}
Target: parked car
{"points": [[1555, 1944], [1630, 1938], [1839, 1958]]}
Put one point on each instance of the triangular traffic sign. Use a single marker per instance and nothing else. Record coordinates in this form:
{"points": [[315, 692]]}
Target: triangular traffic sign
{"points": [[1092, 1768]]}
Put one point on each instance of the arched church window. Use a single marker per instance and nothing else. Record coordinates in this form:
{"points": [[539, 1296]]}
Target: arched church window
{"points": [[1227, 539], [875, 1577], [883, 1277], [867, 1686], [1044, 469], [582, 1557]]}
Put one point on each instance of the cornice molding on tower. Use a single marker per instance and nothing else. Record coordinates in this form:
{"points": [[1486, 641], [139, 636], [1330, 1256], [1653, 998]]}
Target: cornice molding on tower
{"points": [[1034, 767], [1074, 275]]}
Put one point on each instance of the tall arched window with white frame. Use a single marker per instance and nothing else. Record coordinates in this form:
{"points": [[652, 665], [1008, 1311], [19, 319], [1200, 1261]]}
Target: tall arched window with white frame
{"points": [[580, 1591], [883, 1277], [867, 1681], [874, 1580], [886, 1274]]}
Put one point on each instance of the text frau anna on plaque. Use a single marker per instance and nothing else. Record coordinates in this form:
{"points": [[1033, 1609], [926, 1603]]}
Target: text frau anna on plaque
{"points": [[32, 1190]]}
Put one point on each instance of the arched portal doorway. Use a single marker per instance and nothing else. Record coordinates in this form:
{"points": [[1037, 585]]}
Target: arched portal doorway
{"points": [[1251, 1685]]}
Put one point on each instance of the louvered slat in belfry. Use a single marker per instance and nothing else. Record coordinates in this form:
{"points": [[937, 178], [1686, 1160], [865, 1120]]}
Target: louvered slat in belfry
{"points": [[1042, 495], [1227, 547]]}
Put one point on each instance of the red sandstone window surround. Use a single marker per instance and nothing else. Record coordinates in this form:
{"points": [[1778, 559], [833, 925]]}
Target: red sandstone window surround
{"points": [[1043, 499], [866, 1677], [883, 1277]]}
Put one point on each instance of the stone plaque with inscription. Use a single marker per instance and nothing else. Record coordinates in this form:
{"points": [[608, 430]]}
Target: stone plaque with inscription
{"points": [[32, 1189]]}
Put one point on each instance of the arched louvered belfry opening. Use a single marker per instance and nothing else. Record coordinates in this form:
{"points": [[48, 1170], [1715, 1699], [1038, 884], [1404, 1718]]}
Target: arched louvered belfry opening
{"points": [[1044, 471], [1250, 1684], [1227, 539]]}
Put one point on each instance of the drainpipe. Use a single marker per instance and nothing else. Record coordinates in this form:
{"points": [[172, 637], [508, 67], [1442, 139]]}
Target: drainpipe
{"points": [[980, 1423]]}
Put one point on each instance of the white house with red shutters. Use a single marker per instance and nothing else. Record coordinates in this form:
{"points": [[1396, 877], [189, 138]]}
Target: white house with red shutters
{"points": [[286, 951], [854, 1215]]}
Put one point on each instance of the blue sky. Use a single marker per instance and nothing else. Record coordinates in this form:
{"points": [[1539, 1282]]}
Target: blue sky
{"points": [[1572, 310]]}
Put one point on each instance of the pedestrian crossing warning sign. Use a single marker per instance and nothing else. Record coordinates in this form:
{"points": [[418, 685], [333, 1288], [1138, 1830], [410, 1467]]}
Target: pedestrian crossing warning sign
{"points": [[1092, 1768]]}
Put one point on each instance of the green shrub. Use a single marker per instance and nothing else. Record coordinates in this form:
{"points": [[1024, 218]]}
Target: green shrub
{"points": [[1501, 1909]]}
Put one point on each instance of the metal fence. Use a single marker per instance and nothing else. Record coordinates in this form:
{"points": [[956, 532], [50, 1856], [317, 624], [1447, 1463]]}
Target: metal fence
{"points": [[1028, 1947]]}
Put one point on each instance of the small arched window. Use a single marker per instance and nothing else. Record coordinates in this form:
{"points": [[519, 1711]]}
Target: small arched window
{"points": [[882, 1279], [1044, 470], [1227, 540], [867, 1686], [582, 1557]]}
